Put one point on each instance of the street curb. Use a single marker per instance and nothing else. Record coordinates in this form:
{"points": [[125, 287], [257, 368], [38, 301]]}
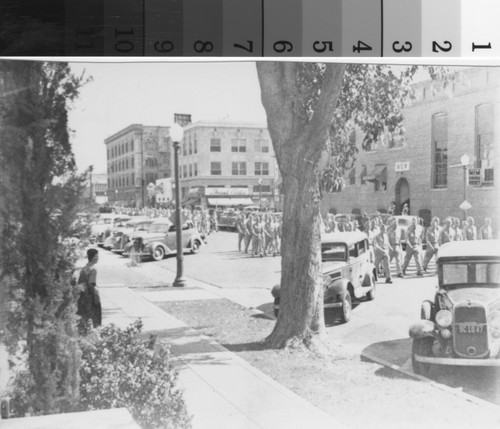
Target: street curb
{"points": [[466, 396]]}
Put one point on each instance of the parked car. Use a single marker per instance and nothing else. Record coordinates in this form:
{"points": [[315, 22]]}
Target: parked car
{"points": [[119, 236], [461, 325], [101, 228], [228, 219], [347, 272], [342, 219], [160, 240]]}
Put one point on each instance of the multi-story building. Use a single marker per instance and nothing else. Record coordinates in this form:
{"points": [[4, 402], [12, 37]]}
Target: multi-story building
{"points": [[227, 164], [96, 189], [425, 168], [137, 156]]}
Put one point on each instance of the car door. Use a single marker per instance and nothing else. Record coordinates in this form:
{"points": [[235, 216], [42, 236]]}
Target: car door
{"points": [[354, 270]]}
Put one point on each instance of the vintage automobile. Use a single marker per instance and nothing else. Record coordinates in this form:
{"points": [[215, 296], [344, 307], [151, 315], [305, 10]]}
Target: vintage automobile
{"points": [[101, 227], [140, 227], [461, 326], [228, 220], [160, 240], [347, 273], [114, 241]]}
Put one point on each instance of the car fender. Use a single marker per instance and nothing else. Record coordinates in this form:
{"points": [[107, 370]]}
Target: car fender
{"points": [[153, 244], [367, 279], [422, 329], [336, 288]]}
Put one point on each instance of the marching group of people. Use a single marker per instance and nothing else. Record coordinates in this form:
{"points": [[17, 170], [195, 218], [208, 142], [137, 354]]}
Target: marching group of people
{"points": [[259, 233], [386, 240]]}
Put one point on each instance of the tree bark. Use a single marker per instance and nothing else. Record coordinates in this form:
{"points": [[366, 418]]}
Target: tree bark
{"points": [[298, 140]]}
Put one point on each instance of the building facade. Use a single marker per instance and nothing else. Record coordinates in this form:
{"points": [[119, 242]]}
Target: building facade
{"points": [[136, 156], [425, 169], [227, 164]]}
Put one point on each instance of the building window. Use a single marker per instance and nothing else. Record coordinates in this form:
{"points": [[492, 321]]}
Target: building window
{"points": [[261, 168], [190, 170], [440, 150], [190, 146], [132, 145], [261, 146], [238, 145], [126, 163], [196, 169], [132, 162], [484, 143], [195, 145], [215, 145], [184, 151], [239, 169], [215, 169], [352, 176], [185, 170], [132, 179]]}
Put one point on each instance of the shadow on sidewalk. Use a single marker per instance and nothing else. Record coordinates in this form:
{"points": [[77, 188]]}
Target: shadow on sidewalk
{"points": [[256, 346]]}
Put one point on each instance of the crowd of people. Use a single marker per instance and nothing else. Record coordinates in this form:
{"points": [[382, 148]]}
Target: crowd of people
{"points": [[259, 233]]}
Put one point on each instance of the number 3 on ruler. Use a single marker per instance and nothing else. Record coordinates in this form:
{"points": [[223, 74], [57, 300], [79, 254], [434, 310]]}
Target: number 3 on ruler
{"points": [[436, 47], [406, 47]]}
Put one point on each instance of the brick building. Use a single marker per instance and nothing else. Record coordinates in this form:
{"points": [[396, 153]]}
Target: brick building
{"points": [[424, 168], [136, 156], [227, 164]]}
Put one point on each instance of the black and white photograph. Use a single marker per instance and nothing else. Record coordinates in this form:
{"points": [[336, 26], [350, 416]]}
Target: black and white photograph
{"points": [[241, 244]]}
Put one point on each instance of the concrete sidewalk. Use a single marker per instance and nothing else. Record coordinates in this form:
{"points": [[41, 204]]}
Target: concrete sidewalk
{"points": [[221, 390]]}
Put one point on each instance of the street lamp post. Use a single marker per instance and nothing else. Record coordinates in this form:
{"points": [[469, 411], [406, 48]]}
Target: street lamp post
{"points": [[176, 134], [464, 161]]}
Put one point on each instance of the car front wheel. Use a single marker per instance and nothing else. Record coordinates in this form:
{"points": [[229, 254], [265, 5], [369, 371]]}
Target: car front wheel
{"points": [[195, 247], [345, 314], [158, 253], [421, 347]]}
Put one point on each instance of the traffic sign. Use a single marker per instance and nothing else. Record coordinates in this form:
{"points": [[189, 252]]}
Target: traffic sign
{"points": [[465, 205]]}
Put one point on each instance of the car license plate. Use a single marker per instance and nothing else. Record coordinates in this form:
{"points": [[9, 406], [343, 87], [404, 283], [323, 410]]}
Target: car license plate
{"points": [[471, 328]]}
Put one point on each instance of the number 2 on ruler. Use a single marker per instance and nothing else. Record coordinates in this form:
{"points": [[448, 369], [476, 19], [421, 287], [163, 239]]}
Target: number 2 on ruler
{"points": [[436, 47]]}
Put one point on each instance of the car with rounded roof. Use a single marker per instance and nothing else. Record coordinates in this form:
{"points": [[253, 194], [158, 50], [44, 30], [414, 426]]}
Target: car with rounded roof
{"points": [[161, 240], [348, 273], [461, 324]]}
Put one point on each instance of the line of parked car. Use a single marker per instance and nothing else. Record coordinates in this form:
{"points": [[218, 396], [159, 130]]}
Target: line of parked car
{"points": [[144, 237]]}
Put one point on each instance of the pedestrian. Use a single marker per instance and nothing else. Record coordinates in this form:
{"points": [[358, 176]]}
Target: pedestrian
{"points": [[257, 235], [89, 302], [431, 239], [471, 230], [486, 231], [268, 235], [392, 208], [214, 224], [241, 228], [248, 232], [446, 234], [413, 248], [394, 237], [381, 248], [406, 210]]}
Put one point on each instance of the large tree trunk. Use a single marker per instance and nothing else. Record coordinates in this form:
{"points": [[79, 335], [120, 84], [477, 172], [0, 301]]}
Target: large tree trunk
{"points": [[298, 139]]}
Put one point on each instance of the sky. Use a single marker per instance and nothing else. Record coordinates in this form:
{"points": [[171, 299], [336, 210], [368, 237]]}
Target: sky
{"points": [[121, 94]]}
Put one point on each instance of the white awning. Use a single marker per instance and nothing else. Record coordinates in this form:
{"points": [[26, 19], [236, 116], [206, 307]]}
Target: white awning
{"points": [[230, 201]]}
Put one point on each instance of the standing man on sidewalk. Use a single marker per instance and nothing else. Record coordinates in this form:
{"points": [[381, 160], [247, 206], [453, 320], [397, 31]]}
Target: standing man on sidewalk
{"points": [[413, 247], [381, 247]]}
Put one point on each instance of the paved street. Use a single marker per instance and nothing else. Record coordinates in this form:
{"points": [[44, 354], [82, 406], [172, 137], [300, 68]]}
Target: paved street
{"points": [[378, 329]]}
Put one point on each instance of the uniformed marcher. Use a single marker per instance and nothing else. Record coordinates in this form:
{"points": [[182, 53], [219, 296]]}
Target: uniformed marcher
{"points": [[394, 237], [431, 238], [413, 247], [381, 248]]}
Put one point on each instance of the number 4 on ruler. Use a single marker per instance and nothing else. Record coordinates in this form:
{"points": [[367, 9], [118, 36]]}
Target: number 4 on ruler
{"points": [[362, 46]]}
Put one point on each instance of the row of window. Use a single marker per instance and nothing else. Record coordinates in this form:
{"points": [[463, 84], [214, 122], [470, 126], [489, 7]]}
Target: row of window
{"points": [[121, 149], [191, 168], [119, 182], [240, 145], [483, 146], [121, 165], [240, 168]]}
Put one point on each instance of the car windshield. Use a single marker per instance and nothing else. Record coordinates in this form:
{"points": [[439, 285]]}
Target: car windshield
{"points": [[142, 226], [487, 273], [333, 252], [159, 227]]}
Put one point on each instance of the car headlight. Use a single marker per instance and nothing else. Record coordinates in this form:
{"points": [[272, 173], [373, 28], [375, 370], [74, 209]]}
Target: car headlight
{"points": [[275, 291], [494, 319], [444, 318]]}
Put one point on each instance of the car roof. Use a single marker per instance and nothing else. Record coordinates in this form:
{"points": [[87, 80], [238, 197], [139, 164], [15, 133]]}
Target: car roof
{"points": [[162, 220], [488, 249], [347, 237]]}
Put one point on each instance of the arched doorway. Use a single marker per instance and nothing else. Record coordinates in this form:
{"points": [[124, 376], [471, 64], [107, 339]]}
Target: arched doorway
{"points": [[402, 195]]}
